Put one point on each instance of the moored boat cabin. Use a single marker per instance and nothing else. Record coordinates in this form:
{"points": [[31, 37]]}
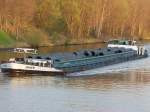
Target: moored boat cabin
{"points": [[25, 50]]}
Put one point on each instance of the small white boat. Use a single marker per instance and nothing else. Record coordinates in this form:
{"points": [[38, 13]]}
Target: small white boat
{"points": [[25, 50]]}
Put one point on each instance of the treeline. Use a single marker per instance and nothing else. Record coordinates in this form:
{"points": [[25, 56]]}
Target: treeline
{"points": [[75, 18]]}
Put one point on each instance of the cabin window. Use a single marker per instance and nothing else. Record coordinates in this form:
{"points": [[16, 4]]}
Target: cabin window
{"points": [[124, 43], [41, 64], [36, 64], [113, 42], [47, 64]]}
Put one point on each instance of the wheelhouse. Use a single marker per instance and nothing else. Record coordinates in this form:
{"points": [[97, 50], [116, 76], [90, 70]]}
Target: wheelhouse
{"points": [[122, 42], [127, 44]]}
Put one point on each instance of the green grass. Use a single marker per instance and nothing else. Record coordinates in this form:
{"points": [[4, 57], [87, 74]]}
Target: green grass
{"points": [[5, 39]]}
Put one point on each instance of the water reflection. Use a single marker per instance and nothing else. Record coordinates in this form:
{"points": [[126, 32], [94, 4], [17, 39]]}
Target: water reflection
{"points": [[103, 81], [111, 92]]}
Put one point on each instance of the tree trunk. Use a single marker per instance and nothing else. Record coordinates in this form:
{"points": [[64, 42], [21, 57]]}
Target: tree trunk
{"points": [[100, 27]]}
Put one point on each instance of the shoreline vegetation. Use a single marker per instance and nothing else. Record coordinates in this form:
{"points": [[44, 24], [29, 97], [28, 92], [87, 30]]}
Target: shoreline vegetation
{"points": [[71, 22], [7, 42]]}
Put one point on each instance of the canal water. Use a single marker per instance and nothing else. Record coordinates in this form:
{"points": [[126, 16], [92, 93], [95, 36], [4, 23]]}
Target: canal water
{"points": [[119, 88]]}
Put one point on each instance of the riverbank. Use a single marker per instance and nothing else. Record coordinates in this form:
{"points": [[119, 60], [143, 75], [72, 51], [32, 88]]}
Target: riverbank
{"points": [[7, 41], [18, 44]]}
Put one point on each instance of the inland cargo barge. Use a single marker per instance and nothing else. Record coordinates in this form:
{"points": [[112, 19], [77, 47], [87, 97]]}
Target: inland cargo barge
{"points": [[117, 51]]}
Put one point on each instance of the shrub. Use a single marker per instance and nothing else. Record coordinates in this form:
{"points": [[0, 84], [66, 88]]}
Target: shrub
{"points": [[5, 39]]}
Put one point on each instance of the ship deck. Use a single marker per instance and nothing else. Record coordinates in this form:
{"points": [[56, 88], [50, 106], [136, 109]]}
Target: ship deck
{"points": [[76, 55]]}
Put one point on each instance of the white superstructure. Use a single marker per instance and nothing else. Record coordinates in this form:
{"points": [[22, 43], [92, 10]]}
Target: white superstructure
{"points": [[29, 65], [123, 44], [127, 44]]}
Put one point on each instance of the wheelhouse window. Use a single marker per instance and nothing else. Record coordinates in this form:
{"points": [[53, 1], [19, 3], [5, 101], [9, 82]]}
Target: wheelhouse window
{"points": [[113, 42], [120, 42]]}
